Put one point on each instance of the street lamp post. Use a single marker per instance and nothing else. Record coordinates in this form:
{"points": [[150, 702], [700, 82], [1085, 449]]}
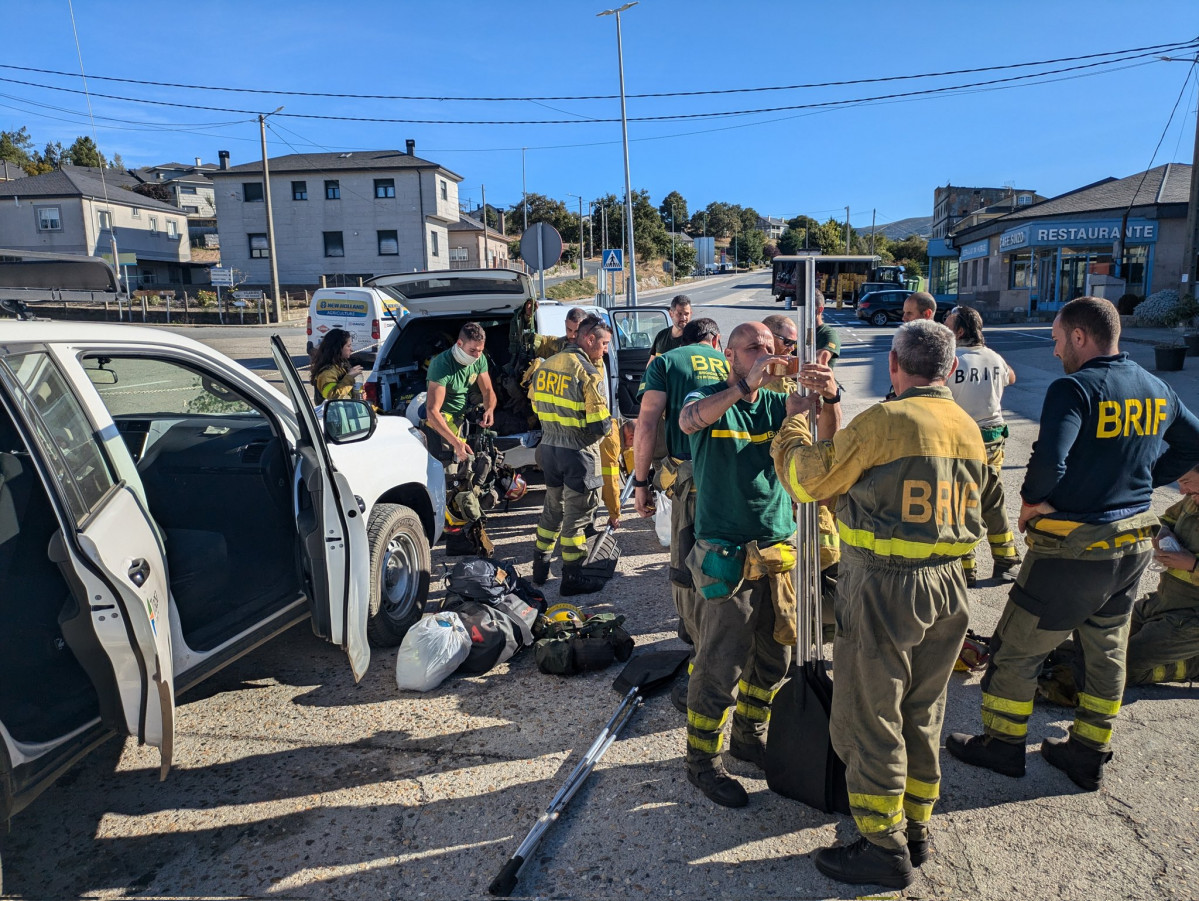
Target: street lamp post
{"points": [[624, 128], [582, 246], [270, 219]]}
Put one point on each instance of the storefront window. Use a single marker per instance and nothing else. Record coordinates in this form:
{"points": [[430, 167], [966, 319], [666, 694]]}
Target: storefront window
{"points": [[1020, 271], [1136, 263], [943, 276]]}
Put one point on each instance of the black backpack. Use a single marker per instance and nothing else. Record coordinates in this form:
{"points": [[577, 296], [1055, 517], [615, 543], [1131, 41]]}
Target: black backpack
{"points": [[493, 636]]}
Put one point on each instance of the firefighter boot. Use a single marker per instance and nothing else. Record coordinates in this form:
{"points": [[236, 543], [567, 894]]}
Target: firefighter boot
{"points": [[710, 777], [1006, 569], [920, 845], [678, 695], [865, 863], [1005, 758], [574, 582], [1083, 765], [541, 571], [750, 750]]}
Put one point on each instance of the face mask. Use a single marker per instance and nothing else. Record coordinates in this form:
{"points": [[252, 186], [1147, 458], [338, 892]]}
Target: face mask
{"points": [[461, 356]]}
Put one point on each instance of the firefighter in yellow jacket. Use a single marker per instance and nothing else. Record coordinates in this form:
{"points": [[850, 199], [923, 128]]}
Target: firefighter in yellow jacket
{"points": [[908, 473], [570, 399]]}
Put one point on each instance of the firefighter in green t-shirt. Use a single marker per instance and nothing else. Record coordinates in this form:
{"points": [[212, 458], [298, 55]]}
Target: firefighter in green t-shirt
{"points": [[452, 375]]}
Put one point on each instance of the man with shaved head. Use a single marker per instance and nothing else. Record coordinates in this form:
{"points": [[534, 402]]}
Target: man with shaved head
{"points": [[920, 305], [743, 618]]}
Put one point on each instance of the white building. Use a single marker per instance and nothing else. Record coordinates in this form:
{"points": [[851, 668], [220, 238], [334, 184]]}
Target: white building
{"points": [[344, 216]]}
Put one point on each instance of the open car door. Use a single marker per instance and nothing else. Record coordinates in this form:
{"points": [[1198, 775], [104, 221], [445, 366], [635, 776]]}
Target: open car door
{"points": [[116, 620], [332, 529], [634, 329]]}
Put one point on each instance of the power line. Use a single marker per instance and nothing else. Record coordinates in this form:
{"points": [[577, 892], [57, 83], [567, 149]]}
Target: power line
{"points": [[673, 117], [1155, 48]]}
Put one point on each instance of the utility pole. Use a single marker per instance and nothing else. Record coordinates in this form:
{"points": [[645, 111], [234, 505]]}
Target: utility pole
{"points": [[270, 222], [674, 276], [1190, 265], [524, 197], [486, 243], [631, 297], [582, 244], [847, 231], [873, 213]]}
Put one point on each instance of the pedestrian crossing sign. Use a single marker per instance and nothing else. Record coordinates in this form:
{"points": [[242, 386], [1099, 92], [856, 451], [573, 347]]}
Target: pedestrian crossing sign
{"points": [[613, 260]]}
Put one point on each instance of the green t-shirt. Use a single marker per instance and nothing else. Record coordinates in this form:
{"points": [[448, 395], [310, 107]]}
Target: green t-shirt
{"points": [[678, 372], [826, 339], [458, 379], [738, 496], [665, 340]]}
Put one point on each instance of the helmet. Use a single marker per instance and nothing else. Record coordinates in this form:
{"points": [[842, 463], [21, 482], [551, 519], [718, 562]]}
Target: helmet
{"points": [[514, 487], [416, 410], [561, 613]]}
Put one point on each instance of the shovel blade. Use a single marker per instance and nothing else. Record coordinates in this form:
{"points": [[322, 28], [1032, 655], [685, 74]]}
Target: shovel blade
{"points": [[800, 761], [651, 671]]}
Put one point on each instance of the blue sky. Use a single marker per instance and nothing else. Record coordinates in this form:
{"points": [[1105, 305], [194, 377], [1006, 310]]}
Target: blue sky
{"points": [[1050, 137]]}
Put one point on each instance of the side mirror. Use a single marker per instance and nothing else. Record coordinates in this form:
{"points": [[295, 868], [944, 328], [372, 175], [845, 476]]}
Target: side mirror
{"points": [[347, 421]]}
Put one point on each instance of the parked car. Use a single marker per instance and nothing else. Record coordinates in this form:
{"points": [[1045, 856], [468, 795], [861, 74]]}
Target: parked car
{"points": [[881, 307], [164, 511], [441, 302]]}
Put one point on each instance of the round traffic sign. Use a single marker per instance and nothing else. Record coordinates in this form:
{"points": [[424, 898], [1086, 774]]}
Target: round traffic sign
{"points": [[541, 246]]}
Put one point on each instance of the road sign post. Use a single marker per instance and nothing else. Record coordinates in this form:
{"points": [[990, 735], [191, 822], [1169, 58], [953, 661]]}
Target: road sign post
{"points": [[612, 260], [541, 247]]}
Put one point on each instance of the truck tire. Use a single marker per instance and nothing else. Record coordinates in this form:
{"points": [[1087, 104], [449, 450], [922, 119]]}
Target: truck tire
{"points": [[879, 318], [400, 563]]}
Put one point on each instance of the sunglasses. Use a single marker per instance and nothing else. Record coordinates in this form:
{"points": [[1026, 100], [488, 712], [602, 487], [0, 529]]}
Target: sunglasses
{"points": [[788, 343]]}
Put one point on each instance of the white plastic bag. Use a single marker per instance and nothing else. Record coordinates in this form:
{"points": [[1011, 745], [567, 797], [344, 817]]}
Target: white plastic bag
{"points": [[662, 517], [431, 650]]}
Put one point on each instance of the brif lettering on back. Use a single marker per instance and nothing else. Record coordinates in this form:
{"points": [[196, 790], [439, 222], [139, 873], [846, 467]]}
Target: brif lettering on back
{"points": [[702, 364], [1131, 417], [553, 382], [945, 501]]}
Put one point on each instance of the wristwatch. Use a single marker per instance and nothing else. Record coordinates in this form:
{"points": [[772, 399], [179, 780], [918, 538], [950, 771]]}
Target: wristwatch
{"points": [[743, 387], [639, 483], [835, 399]]}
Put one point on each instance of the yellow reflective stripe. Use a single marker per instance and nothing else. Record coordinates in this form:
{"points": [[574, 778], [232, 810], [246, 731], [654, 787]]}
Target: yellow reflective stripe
{"points": [[797, 490], [1157, 674], [1180, 574], [917, 811], [886, 811], [1180, 670], [570, 556], [762, 694], [572, 422], [1001, 538], [1098, 705], [968, 562], [1059, 527], [753, 712], [707, 745], [328, 389], [830, 539], [556, 401], [598, 416], [690, 666], [544, 544], [574, 540], [900, 547], [706, 723], [609, 470], [1097, 734], [1005, 705], [742, 436], [929, 791], [546, 533], [1000, 724]]}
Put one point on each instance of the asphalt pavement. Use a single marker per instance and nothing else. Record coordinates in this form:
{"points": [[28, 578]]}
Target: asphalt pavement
{"points": [[292, 781]]}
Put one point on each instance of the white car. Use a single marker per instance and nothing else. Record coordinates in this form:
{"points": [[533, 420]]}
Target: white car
{"points": [[163, 511]]}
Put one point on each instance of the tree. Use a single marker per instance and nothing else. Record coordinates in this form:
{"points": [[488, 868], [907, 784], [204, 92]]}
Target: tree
{"points": [[548, 210], [684, 257], [116, 162], [649, 234], [792, 240], [17, 147], [154, 190], [829, 237], [609, 208], [914, 248], [673, 205], [84, 153], [748, 247]]}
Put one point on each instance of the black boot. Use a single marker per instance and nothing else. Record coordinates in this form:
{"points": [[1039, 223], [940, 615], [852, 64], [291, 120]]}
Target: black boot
{"points": [[750, 750], [711, 778], [678, 695], [920, 846], [574, 582], [971, 578], [864, 863], [1006, 569], [986, 751], [1083, 765], [541, 571]]}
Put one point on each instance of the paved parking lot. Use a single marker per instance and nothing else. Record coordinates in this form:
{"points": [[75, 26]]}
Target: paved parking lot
{"points": [[292, 781]]}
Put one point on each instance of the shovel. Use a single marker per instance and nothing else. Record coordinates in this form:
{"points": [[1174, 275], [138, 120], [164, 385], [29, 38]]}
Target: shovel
{"points": [[601, 560], [641, 677]]}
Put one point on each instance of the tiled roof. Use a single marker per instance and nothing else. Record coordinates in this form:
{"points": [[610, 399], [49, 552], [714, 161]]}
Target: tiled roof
{"points": [[467, 224], [358, 160], [84, 181]]}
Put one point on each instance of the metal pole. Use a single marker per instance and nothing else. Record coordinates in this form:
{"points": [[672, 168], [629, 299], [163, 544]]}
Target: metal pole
{"points": [[1190, 266], [270, 222], [541, 259], [847, 231], [582, 245], [674, 275], [486, 244], [524, 197], [873, 213], [631, 298]]}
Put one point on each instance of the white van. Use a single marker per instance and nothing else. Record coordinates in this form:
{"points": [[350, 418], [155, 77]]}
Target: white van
{"points": [[366, 313]]}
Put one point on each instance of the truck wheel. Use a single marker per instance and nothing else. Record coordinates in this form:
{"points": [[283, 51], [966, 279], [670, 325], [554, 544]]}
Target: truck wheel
{"points": [[400, 562], [879, 318]]}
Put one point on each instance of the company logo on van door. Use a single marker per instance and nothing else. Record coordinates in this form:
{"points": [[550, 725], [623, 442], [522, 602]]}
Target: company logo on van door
{"points": [[1095, 231], [351, 308]]}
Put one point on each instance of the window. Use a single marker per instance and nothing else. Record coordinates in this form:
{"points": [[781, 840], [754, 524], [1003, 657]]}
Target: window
{"points": [[187, 189], [985, 278], [458, 255], [433, 239], [445, 190], [385, 187], [137, 214], [177, 391], [172, 229], [153, 220], [389, 243], [48, 219], [1024, 200], [334, 247], [251, 191], [69, 438], [105, 220], [259, 249], [299, 190], [333, 189], [148, 277], [191, 210]]}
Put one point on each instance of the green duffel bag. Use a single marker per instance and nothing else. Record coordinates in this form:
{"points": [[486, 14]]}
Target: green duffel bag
{"points": [[567, 648]]}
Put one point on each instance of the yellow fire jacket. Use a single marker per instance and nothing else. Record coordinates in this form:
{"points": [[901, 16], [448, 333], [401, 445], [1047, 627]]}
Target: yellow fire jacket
{"points": [[908, 473]]}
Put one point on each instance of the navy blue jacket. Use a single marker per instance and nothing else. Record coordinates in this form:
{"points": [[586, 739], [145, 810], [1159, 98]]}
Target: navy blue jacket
{"points": [[1110, 433]]}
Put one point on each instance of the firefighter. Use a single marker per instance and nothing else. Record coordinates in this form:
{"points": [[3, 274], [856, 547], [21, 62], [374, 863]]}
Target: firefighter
{"points": [[977, 385], [908, 473], [672, 336], [743, 622], [669, 378], [333, 377], [570, 399], [452, 375], [1109, 432]]}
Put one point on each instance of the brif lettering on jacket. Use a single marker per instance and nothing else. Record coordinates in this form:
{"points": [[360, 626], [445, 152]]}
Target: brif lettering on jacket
{"points": [[945, 500], [554, 382], [1133, 416]]}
